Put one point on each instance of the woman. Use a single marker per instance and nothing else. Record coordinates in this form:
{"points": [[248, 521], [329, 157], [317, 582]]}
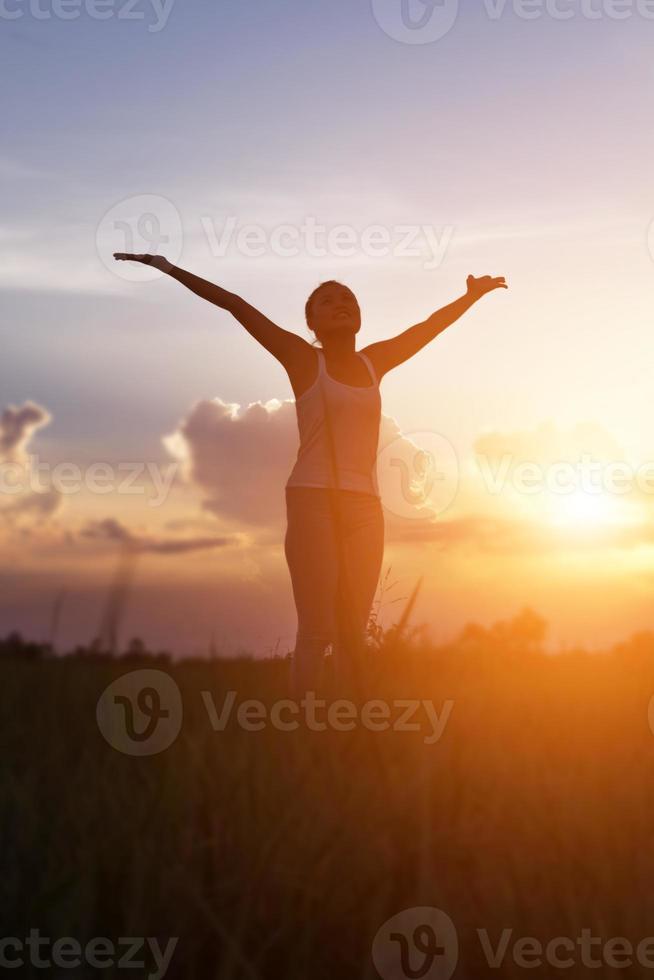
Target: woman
{"points": [[335, 528]]}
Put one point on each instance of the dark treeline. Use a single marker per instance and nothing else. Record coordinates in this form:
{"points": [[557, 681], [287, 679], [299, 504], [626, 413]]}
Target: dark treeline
{"points": [[525, 633], [15, 647]]}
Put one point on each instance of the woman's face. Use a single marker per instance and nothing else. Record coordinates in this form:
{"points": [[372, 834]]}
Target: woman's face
{"points": [[334, 308]]}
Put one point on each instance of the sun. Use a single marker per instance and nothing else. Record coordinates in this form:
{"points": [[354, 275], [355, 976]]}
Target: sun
{"points": [[583, 509]]}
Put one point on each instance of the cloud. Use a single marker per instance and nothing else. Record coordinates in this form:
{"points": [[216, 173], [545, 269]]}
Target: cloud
{"points": [[37, 505], [478, 533], [241, 458], [16, 428], [112, 530], [491, 524], [548, 444], [547, 465]]}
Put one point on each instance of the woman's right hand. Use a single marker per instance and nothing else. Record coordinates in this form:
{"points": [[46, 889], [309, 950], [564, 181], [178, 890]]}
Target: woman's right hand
{"points": [[158, 261]]}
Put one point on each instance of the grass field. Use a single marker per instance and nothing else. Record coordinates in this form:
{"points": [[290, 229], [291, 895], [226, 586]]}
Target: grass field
{"points": [[280, 854]]}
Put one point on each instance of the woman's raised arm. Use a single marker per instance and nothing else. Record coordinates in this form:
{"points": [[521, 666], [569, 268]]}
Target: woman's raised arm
{"points": [[282, 344], [387, 354]]}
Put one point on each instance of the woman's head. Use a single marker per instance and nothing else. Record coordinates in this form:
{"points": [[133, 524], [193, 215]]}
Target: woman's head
{"points": [[332, 307]]}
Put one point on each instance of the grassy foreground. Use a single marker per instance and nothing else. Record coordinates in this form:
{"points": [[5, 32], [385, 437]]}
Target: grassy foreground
{"points": [[280, 854]]}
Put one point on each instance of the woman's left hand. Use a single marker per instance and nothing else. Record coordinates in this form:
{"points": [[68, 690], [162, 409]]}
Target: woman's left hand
{"points": [[485, 284]]}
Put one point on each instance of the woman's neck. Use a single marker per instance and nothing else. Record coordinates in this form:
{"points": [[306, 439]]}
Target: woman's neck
{"points": [[339, 348]]}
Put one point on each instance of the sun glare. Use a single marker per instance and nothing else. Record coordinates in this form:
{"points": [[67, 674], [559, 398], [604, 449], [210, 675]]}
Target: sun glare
{"points": [[582, 508]]}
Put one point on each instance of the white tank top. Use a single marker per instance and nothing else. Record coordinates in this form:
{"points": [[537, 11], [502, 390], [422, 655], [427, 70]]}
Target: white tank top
{"points": [[355, 416]]}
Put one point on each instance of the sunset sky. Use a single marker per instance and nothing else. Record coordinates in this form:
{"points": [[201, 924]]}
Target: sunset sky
{"points": [[511, 145]]}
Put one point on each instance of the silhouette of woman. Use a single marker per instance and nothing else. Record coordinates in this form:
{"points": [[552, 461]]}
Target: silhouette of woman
{"points": [[335, 527]]}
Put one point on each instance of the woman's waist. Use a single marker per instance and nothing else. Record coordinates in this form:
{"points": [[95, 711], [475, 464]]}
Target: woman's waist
{"points": [[353, 453], [343, 482], [319, 473], [314, 489]]}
